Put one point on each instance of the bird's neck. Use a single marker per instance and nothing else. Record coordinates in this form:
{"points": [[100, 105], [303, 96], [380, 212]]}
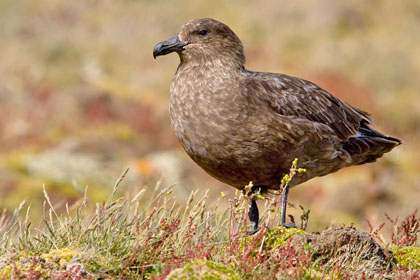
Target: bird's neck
{"points": [[212, 69], [215, 63]]}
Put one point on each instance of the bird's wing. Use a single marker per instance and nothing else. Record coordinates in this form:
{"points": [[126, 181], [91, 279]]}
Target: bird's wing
{"points": [[291, 96]]}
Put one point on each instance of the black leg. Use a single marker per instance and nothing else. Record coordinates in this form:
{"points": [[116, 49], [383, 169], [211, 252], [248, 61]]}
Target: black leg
{"points": [[253, 215], [284, 204], [283, 208]]}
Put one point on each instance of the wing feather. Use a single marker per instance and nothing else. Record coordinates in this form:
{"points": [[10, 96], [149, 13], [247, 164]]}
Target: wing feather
{"points": [[291, 96]]}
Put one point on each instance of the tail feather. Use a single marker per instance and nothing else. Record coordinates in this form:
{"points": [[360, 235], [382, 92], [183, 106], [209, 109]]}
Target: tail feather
{"points": [[369, 145]]}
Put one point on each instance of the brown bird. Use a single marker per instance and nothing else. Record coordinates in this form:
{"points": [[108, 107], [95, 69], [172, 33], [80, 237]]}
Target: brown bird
{"points": [[243, 126]]}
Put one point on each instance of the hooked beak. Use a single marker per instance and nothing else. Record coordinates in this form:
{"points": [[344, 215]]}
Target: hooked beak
{"points": [[171, 45]]}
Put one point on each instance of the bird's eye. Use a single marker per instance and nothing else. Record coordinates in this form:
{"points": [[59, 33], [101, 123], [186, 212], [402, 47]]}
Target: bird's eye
{"points": [[202, 32]]}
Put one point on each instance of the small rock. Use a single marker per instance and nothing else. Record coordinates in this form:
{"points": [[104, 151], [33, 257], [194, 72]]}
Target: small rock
{"points": [[346, 248]]}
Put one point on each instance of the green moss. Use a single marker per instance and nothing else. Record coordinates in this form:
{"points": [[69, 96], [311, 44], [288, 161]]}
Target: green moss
{"points": [[6, 272], [205, 270], [219, 267], [274, 238], [279, 236], [20, 267], [407, 256], [61, 256]]}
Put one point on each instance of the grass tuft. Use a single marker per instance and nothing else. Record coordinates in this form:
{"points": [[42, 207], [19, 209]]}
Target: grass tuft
{"points": [[149, 237]]}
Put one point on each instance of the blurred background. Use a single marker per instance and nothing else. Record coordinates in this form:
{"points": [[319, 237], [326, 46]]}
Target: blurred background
{"points": [[82, 99]]}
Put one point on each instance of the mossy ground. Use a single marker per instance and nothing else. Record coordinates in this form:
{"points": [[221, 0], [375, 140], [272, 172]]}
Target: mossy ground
{"points": [[280, 236], [204, 269], [123, 239], [407, 256]]}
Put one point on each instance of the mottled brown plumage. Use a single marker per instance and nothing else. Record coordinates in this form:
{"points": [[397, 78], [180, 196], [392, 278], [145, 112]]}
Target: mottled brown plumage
{"points": [[242, 126]]}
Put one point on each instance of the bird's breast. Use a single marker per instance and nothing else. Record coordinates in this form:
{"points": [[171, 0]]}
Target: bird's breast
{"points": [[205, 112], [199, 111]]}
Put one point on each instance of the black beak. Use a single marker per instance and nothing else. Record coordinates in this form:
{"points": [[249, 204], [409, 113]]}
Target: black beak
{"points": [[171, 45]]}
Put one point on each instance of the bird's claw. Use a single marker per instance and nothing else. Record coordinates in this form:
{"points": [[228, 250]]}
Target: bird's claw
{"points": [[253, 231], [288, 225]]}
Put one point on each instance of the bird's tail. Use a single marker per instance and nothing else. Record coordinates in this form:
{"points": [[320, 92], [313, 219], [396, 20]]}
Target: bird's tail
{"points": [[369, 145]]}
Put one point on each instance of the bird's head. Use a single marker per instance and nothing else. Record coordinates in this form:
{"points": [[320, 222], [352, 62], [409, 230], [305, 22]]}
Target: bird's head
{"points": [[204, 40]]}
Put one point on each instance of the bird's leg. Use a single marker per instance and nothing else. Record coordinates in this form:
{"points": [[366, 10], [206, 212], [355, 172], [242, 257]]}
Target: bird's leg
{"points": [[253, 215], [283, 208]]}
